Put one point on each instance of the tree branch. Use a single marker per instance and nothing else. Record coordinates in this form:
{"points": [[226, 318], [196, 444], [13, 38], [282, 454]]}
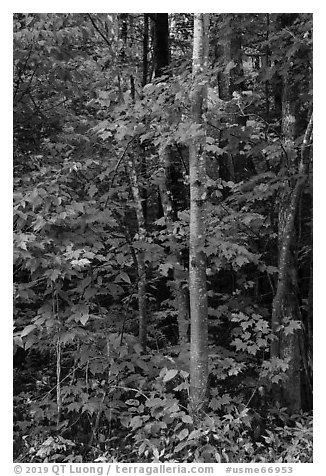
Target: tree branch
{"points": [[98, 30]]}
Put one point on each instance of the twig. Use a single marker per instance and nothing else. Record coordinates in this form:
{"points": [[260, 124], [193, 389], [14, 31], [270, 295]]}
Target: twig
{"points": [[117, 166], [306, 143], [98, 30], [21, 71], [131, 389]]}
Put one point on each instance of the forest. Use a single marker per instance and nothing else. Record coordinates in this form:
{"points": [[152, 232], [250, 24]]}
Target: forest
{"points": [[163, 284]]}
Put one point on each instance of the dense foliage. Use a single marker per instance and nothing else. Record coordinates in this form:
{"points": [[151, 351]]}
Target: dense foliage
{"points": [[91, 119]]}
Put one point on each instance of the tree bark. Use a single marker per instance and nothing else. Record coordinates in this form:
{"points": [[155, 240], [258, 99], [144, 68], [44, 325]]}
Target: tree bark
{"points": [[236, 73], [145, 49], [266, 64], [197, 258], [228, 82], [179, 286], [139, 196], [285, 304], [140, 254], [161, 43]]}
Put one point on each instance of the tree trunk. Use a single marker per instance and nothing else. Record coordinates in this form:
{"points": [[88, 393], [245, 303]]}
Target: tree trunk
{"points": [[197, 258], [266, 64], [139, 196], [161, 43], [181, 300], [123, 21], [285, 304], [145, 49], [228, 82], [179, 285], [236, 81], [141, 265]]}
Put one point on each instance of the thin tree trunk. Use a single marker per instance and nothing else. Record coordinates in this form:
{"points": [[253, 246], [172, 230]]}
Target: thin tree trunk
{"points": [[236, 73], [285, 304], [141, 212], [141, 265], [197, 258], [161, 43], [139, 196], [179, 286], [161, 61], [228, 83], [123, 20], [266, 64], [145, 49]]}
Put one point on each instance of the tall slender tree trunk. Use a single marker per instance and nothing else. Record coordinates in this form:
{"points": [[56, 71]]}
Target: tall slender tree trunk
{"points": [[140, 254], [123, 22], [236, 74], [197, 258], [179, 285], [139, 195], [161, 43], [286, 308], [180, 292], [145, 49], [266, 64], [229, 81]]}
